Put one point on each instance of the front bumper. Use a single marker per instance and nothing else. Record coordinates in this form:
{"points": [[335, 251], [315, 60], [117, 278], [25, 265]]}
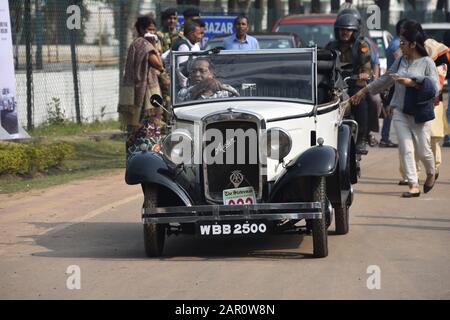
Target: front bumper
{"points": [[264, 211]]}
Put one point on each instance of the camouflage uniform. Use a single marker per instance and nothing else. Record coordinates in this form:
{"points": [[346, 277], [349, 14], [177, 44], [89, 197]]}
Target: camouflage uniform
{"points": [[357, 53], [166, 39]]}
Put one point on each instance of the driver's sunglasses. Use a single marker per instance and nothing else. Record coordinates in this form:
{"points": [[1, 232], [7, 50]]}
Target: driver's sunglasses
{"points": [[403, 42]]}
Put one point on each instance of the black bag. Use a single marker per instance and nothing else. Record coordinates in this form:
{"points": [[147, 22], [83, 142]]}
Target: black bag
{"points": [[420, 102]]}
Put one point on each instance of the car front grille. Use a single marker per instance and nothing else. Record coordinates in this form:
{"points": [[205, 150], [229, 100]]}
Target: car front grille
{"points": [[218, 175]]}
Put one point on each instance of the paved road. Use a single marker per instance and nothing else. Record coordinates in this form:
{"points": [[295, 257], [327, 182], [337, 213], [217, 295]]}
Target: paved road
{"points": [[95, 224]]}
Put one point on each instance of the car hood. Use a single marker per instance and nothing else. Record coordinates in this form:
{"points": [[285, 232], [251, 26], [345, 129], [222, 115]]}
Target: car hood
{"points": [[269, 110]]}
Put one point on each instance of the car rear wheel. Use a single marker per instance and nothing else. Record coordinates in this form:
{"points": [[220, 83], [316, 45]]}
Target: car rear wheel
{"points": [[319, 228], [154, 233], [342, 217]]}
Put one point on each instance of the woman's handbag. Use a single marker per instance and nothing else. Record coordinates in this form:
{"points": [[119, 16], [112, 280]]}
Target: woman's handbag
{"points": [[420, 102]]}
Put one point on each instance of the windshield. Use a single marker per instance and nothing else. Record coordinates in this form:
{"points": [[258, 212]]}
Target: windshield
{"points": [[311, 33], [259, 74]]}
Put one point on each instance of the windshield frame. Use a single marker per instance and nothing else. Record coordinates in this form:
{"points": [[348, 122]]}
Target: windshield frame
{"points": [[312, 51]]}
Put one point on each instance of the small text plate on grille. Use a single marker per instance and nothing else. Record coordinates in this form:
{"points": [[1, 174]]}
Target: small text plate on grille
{"points": [[239, 196]]}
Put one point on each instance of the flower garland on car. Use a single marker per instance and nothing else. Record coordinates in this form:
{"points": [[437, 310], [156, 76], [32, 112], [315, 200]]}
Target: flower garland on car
{"points": [[148, 135]]}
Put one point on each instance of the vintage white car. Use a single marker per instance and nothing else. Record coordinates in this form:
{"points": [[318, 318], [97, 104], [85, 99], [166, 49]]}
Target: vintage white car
{"points": [[257, 145]]}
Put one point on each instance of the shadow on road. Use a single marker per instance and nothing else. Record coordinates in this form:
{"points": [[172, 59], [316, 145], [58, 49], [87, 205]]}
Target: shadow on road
{"points": [[113, 240]]}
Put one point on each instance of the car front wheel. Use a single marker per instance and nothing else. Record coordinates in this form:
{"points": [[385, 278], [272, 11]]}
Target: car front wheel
{"points": [[154, 233]]}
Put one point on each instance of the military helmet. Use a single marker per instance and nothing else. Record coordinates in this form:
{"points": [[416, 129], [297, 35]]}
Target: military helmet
{"points": [[353, 11], [347, 21]]}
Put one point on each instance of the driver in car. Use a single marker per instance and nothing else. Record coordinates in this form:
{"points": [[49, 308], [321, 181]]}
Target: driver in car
{"points": [[203, 83]]}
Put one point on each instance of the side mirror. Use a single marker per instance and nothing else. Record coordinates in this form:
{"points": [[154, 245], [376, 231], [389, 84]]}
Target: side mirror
{"points": [[157, 101]]}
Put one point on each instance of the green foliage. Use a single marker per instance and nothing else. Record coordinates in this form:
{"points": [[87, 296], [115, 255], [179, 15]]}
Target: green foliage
{"points": [[55, 114], [74, 129], [31, 158]]}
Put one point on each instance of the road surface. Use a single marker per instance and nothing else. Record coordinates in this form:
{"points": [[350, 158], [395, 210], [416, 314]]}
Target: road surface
{"points": [[396, 248]]}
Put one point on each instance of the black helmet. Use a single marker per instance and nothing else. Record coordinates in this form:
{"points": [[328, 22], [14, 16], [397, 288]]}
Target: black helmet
{"points": [[353, 11], [347, 21]]}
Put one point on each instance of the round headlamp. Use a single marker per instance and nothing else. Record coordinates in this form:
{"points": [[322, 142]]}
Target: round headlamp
{"points": [[178, 147], [279, 143]]}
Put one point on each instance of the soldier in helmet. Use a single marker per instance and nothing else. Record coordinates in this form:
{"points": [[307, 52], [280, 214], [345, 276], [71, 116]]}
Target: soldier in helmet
{"points": [[169, 18], [354, 51], [374, 101]]}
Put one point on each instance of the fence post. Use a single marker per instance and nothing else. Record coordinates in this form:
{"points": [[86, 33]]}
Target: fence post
{"points": [[73, 51], [29, 63], [123, 33]]}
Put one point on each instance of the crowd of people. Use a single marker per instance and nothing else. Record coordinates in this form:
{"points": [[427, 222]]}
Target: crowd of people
{"points": [[408, 95]]}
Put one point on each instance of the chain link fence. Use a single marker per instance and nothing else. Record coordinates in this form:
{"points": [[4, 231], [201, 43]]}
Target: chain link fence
{"points": [[72, 74]]}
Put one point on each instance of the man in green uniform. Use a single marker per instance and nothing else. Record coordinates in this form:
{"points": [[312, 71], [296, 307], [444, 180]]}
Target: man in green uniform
{"points": [[354, 50], [169, 18]]}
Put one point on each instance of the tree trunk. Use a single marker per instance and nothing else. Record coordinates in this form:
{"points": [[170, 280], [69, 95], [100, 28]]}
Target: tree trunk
{"points": [[384, 7], [274, 12], [258, 15], [335, 4], [296, 6], [315, 6]]}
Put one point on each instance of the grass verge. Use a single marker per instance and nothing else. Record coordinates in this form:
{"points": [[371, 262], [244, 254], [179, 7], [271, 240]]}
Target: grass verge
{"points": [[99, 150]]}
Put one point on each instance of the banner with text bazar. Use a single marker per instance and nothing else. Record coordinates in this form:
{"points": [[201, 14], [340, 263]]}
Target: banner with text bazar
{"points": [[215, 26], [8, 103]]}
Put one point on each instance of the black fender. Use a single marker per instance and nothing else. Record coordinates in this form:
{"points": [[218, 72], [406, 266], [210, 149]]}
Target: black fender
{"points": [[339, 185], [353, 127], [319, 161], [150, 168], [345, 155]]}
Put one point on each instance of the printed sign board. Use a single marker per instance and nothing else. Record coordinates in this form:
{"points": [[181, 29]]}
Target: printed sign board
{"points": [[215, 25], [9, 126]]}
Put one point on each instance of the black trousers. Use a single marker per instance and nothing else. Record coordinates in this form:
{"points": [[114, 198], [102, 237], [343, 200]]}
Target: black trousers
{"points": [[360, 113]]}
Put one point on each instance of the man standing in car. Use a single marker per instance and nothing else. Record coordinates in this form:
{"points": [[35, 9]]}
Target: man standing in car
{"points": [[355, 51], [240, 40]]}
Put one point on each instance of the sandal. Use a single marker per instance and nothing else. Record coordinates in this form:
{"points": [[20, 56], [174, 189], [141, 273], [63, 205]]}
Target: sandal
{"points": [[409, 194], [426, 187]]}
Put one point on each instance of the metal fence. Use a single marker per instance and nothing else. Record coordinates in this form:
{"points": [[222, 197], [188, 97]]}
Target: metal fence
{"points": [[61, 72], [75, 73]]}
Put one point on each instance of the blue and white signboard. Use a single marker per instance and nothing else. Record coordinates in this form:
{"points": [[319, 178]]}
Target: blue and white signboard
{"points": [[9, 125], [215, 25]]}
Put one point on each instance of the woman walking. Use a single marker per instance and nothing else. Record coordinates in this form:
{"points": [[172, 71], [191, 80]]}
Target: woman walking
{"points": [[412, 70]]}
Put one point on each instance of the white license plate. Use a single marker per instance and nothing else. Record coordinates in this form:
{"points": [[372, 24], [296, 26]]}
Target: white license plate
{"points": [[232, 228], [239, 196]]}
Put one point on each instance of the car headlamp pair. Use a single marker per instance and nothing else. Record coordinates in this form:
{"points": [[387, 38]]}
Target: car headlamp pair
{"points": [[179, 146]]}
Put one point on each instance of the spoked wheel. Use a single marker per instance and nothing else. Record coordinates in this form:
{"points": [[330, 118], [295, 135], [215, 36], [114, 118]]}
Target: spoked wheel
{"points": [[154, 233], [319, 228]]}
